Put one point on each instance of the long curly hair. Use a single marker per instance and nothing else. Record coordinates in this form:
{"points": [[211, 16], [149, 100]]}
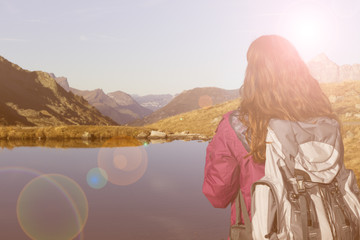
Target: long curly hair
{"points": [[277, 85]]}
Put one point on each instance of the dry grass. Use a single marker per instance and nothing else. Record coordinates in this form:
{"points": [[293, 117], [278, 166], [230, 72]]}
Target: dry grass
{"points": [[202, 121], [345, 98], [73, 143], [351, 136], [70, 132]]}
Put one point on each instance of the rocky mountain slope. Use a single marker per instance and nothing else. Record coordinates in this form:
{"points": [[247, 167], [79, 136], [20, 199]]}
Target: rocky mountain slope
{"points": [[35, 99], [62, 81], [153, 101], [128, 102], [120, 107], [190, 100], [325, 70]]}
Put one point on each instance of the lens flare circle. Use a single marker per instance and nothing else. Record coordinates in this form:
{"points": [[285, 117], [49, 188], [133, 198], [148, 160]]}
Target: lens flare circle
{"points": [[97, 178], [120, 161], [52, 206], [20, 170], [205, 101], [123, 165]]}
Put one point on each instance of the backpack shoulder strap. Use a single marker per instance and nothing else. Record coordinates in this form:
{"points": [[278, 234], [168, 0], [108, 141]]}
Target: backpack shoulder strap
{"points": [[240, 201], [264, 209]]}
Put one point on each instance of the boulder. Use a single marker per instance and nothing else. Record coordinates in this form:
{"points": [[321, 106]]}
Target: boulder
{"points": [[87, 135], [157, 135]]}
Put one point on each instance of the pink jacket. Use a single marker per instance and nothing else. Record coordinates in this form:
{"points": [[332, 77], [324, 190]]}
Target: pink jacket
{"points": [[227, 169]]}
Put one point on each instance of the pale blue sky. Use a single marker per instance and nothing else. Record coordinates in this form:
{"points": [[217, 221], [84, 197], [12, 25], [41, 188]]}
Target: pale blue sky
{"points": [[167, 46]]}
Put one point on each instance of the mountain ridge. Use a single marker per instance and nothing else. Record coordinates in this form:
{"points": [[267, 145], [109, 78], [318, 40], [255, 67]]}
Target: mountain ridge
{"points": [[108, 106], [153, 101], [325, 70], [190, 100], [33, 98]]}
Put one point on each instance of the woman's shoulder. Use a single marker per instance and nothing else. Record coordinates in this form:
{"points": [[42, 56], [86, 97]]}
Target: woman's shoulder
{"points": [[226, 121], [238, 127]]}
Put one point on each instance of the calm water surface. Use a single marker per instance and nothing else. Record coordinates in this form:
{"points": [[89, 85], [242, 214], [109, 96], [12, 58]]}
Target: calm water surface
{"points": [[147, 192]]}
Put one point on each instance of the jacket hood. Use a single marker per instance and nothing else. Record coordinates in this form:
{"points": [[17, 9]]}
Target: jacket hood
{"points": [[314, 147]]}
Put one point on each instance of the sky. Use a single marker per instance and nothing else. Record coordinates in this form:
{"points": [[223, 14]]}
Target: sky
{"points": [[167, 46]]}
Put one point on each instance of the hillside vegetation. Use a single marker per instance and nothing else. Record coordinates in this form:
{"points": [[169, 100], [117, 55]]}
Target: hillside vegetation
{"points": [[344, 97], [189, 100]]}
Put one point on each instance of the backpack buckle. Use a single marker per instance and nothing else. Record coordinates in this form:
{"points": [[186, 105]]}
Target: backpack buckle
{"points": [[300, 184]]}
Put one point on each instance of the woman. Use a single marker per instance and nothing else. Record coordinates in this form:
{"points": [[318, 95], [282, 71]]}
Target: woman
{"points": [[277, 85]]}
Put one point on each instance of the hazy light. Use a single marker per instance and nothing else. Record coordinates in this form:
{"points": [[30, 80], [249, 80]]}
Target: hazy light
{"points": [[52, 206], [97, 178], [310, 27], [205, 101], [123, 165]]}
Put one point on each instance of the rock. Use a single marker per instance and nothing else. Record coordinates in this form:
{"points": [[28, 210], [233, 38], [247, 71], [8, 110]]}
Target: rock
{"points": [[87, 135], [62, 81], [157, 135], [357, 106], [143, 135], [348, 114], [357, 115]]}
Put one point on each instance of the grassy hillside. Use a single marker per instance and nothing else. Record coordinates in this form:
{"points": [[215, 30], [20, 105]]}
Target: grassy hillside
{"points": [[344, 96], [189, 100], [203, 121]]}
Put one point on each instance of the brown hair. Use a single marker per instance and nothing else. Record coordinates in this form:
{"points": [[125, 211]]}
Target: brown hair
{"points": [[278, 85]]}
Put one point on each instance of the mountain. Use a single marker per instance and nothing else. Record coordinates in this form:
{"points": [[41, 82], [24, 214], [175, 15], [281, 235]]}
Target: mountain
{"points": [[121, 110], [62, 81], [127, 102], [325, 70], [35, 99], [153, 102], [189, 100]]}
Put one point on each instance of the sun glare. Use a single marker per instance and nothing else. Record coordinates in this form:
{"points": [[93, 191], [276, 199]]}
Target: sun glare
{"points": [[310, 27], [308, 30]]}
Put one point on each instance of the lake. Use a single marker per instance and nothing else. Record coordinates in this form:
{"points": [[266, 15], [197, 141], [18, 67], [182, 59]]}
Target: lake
{"points": [[151, 191]]}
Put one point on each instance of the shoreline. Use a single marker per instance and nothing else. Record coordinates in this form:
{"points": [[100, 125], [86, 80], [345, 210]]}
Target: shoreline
{"points": [[84, 136], [88, 136]]}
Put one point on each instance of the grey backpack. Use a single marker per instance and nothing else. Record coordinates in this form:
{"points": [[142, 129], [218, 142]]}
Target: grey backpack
{"points": [[306, 193]]}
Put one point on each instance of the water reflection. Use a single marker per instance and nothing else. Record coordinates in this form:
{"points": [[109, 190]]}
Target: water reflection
{"points": [[72, 143], [165, 202]]}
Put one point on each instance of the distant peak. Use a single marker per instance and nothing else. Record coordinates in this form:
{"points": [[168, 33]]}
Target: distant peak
{"points": [[99, 90], [321, 58], [12, 65]]}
